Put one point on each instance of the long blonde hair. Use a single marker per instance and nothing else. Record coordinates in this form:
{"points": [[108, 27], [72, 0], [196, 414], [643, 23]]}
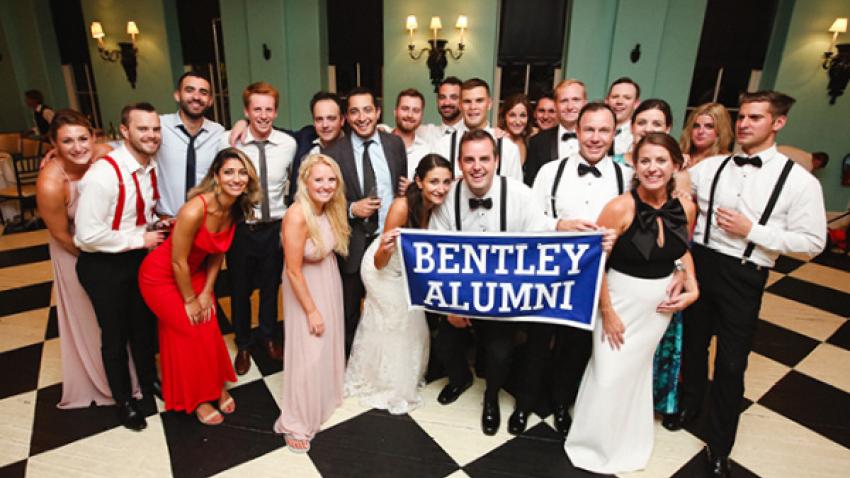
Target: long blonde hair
{"points": [[722, 125], [244, 206], [335, 209]]}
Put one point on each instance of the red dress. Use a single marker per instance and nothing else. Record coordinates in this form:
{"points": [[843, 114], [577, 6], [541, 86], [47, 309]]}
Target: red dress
{"points": [[194, 360]]}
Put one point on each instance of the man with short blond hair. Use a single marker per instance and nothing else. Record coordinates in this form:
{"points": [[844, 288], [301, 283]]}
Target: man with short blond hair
{"points": [[623, 97], [255, 258]]}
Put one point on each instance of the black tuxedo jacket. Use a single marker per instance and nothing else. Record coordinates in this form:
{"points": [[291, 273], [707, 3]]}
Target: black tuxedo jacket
{"points": [[542, 148], [342, 152]]}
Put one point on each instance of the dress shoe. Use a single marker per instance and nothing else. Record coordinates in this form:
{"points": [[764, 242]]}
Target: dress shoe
{"points": [[518, 422], [274, 350], [450, 392], [676, 421], [718, 466], [156, 388], [490, 417], [242, 363], [562, 419], [130, 417]]}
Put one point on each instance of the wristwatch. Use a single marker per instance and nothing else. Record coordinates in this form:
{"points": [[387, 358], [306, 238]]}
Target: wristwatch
{"points": [[679, 265]]}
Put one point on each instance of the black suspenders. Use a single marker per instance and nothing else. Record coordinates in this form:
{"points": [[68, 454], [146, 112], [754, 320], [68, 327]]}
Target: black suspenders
{"points": [[555, 184], [560, 172], [771, 203], [619, 170], [452, 157], [503, 206], [768, 209], [711, 200], [499, 154]]}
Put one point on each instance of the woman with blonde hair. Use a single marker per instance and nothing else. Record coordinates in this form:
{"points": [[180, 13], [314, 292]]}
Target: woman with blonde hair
{"points": [[314, 228], [708, 132], [177, 281]]}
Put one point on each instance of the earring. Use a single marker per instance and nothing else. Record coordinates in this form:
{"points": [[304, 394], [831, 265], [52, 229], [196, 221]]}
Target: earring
{"points": [[216, 187]]}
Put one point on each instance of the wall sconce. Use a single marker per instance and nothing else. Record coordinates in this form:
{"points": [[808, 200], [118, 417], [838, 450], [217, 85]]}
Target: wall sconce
{"points": [[127, 52], [437, 53], [837, 64]]}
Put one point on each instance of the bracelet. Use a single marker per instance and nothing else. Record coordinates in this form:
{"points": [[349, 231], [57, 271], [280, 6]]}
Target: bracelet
{"points": [[679, 265]]}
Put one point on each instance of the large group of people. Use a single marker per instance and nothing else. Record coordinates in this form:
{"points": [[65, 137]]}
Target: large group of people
{"points": [[139, 233]]}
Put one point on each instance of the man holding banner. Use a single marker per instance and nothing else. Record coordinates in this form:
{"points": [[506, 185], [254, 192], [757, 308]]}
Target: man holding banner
{"points": [[478, 204], [576, 188]]}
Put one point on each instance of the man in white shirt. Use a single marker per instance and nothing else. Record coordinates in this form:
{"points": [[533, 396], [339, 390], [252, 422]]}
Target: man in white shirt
{"points": [[409, 106], [448, 106], [560, 142], [576, 189], [255, 258], [623, 97], [752, 208], [116, 203], [485, 205], [189, 142], [475, 104]]}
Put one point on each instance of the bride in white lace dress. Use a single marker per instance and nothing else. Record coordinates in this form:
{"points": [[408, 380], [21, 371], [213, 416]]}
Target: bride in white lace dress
{"points": [[390, 350]]}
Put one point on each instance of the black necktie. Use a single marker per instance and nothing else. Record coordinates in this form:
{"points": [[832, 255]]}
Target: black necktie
{"points": [[370, 186], [584, 169], [742, 160], [568, 135], [190, 157], [475, 203], [264, 180]]}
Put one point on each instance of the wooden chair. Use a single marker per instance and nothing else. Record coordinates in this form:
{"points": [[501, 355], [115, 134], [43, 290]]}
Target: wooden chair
{"points": [[23, 191]]}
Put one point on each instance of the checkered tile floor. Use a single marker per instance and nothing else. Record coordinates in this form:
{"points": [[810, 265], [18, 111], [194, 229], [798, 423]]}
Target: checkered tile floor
{"points": [[796, 420]]}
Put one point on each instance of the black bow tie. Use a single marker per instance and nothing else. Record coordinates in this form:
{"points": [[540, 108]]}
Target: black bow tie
{"points": [[584, 169], [672, 215], [475, 203], [567, 136], [742, 160]]}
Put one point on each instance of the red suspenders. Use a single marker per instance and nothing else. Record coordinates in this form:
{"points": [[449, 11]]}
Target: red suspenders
{"points": [[140, 202]]}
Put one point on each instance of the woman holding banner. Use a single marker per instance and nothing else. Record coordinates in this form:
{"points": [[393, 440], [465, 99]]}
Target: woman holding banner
{"points": [[612, 431], [314, 228], [390, 350]]}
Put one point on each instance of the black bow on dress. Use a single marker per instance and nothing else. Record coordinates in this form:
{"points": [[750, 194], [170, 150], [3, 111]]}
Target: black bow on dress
{"points": [[672, 215]]}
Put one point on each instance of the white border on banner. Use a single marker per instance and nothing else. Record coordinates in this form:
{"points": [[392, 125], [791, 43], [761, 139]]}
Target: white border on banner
{"points": [[526, 318]]}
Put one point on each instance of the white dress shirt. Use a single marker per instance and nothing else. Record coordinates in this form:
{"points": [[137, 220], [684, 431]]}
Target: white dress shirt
{"points": [[417, 150], [171, 159], [798, 221], [524, 212], [280, 152], [432, 133], [623, 138], [580, 197], [97, 201], [568, 147], [510, 159]]}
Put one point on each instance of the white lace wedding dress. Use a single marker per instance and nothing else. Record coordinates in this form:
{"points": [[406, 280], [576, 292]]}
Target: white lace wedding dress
{"points": [[390, 350]]}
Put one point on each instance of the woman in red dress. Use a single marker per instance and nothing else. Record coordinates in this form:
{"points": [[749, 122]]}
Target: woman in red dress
{"points": [[177, 280]]}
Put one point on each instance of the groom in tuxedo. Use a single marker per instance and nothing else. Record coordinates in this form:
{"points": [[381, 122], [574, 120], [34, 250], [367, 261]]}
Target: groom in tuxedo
{"points": [[373, 164]]}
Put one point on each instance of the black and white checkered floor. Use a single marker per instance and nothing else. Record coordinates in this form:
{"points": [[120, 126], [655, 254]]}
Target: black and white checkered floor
{"points": [[796, 422]]}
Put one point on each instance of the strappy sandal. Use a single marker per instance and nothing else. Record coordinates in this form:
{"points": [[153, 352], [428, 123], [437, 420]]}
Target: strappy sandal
{"points": [[292, 445], [212, 419], [227, 405]]}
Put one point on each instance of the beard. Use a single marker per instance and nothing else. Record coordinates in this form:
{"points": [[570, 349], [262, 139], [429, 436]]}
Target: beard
{"points": [[185, 108], [450, 117]]}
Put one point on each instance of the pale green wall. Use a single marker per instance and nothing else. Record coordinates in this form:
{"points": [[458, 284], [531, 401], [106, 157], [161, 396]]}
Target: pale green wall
{"points": [[401, 72], [813, 124], [157, 61], [30, 60], [294, 31], [602, 33]]}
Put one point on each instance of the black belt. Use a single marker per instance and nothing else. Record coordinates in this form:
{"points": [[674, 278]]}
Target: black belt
{"points": [[259, 226], [731, 259]]}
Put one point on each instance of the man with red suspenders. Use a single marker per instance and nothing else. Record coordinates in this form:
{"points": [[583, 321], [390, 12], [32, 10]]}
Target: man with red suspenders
{"points": [[116, 204]]}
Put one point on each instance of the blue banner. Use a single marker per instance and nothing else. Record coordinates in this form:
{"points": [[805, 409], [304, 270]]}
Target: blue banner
{"points": [[534, 277]]}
